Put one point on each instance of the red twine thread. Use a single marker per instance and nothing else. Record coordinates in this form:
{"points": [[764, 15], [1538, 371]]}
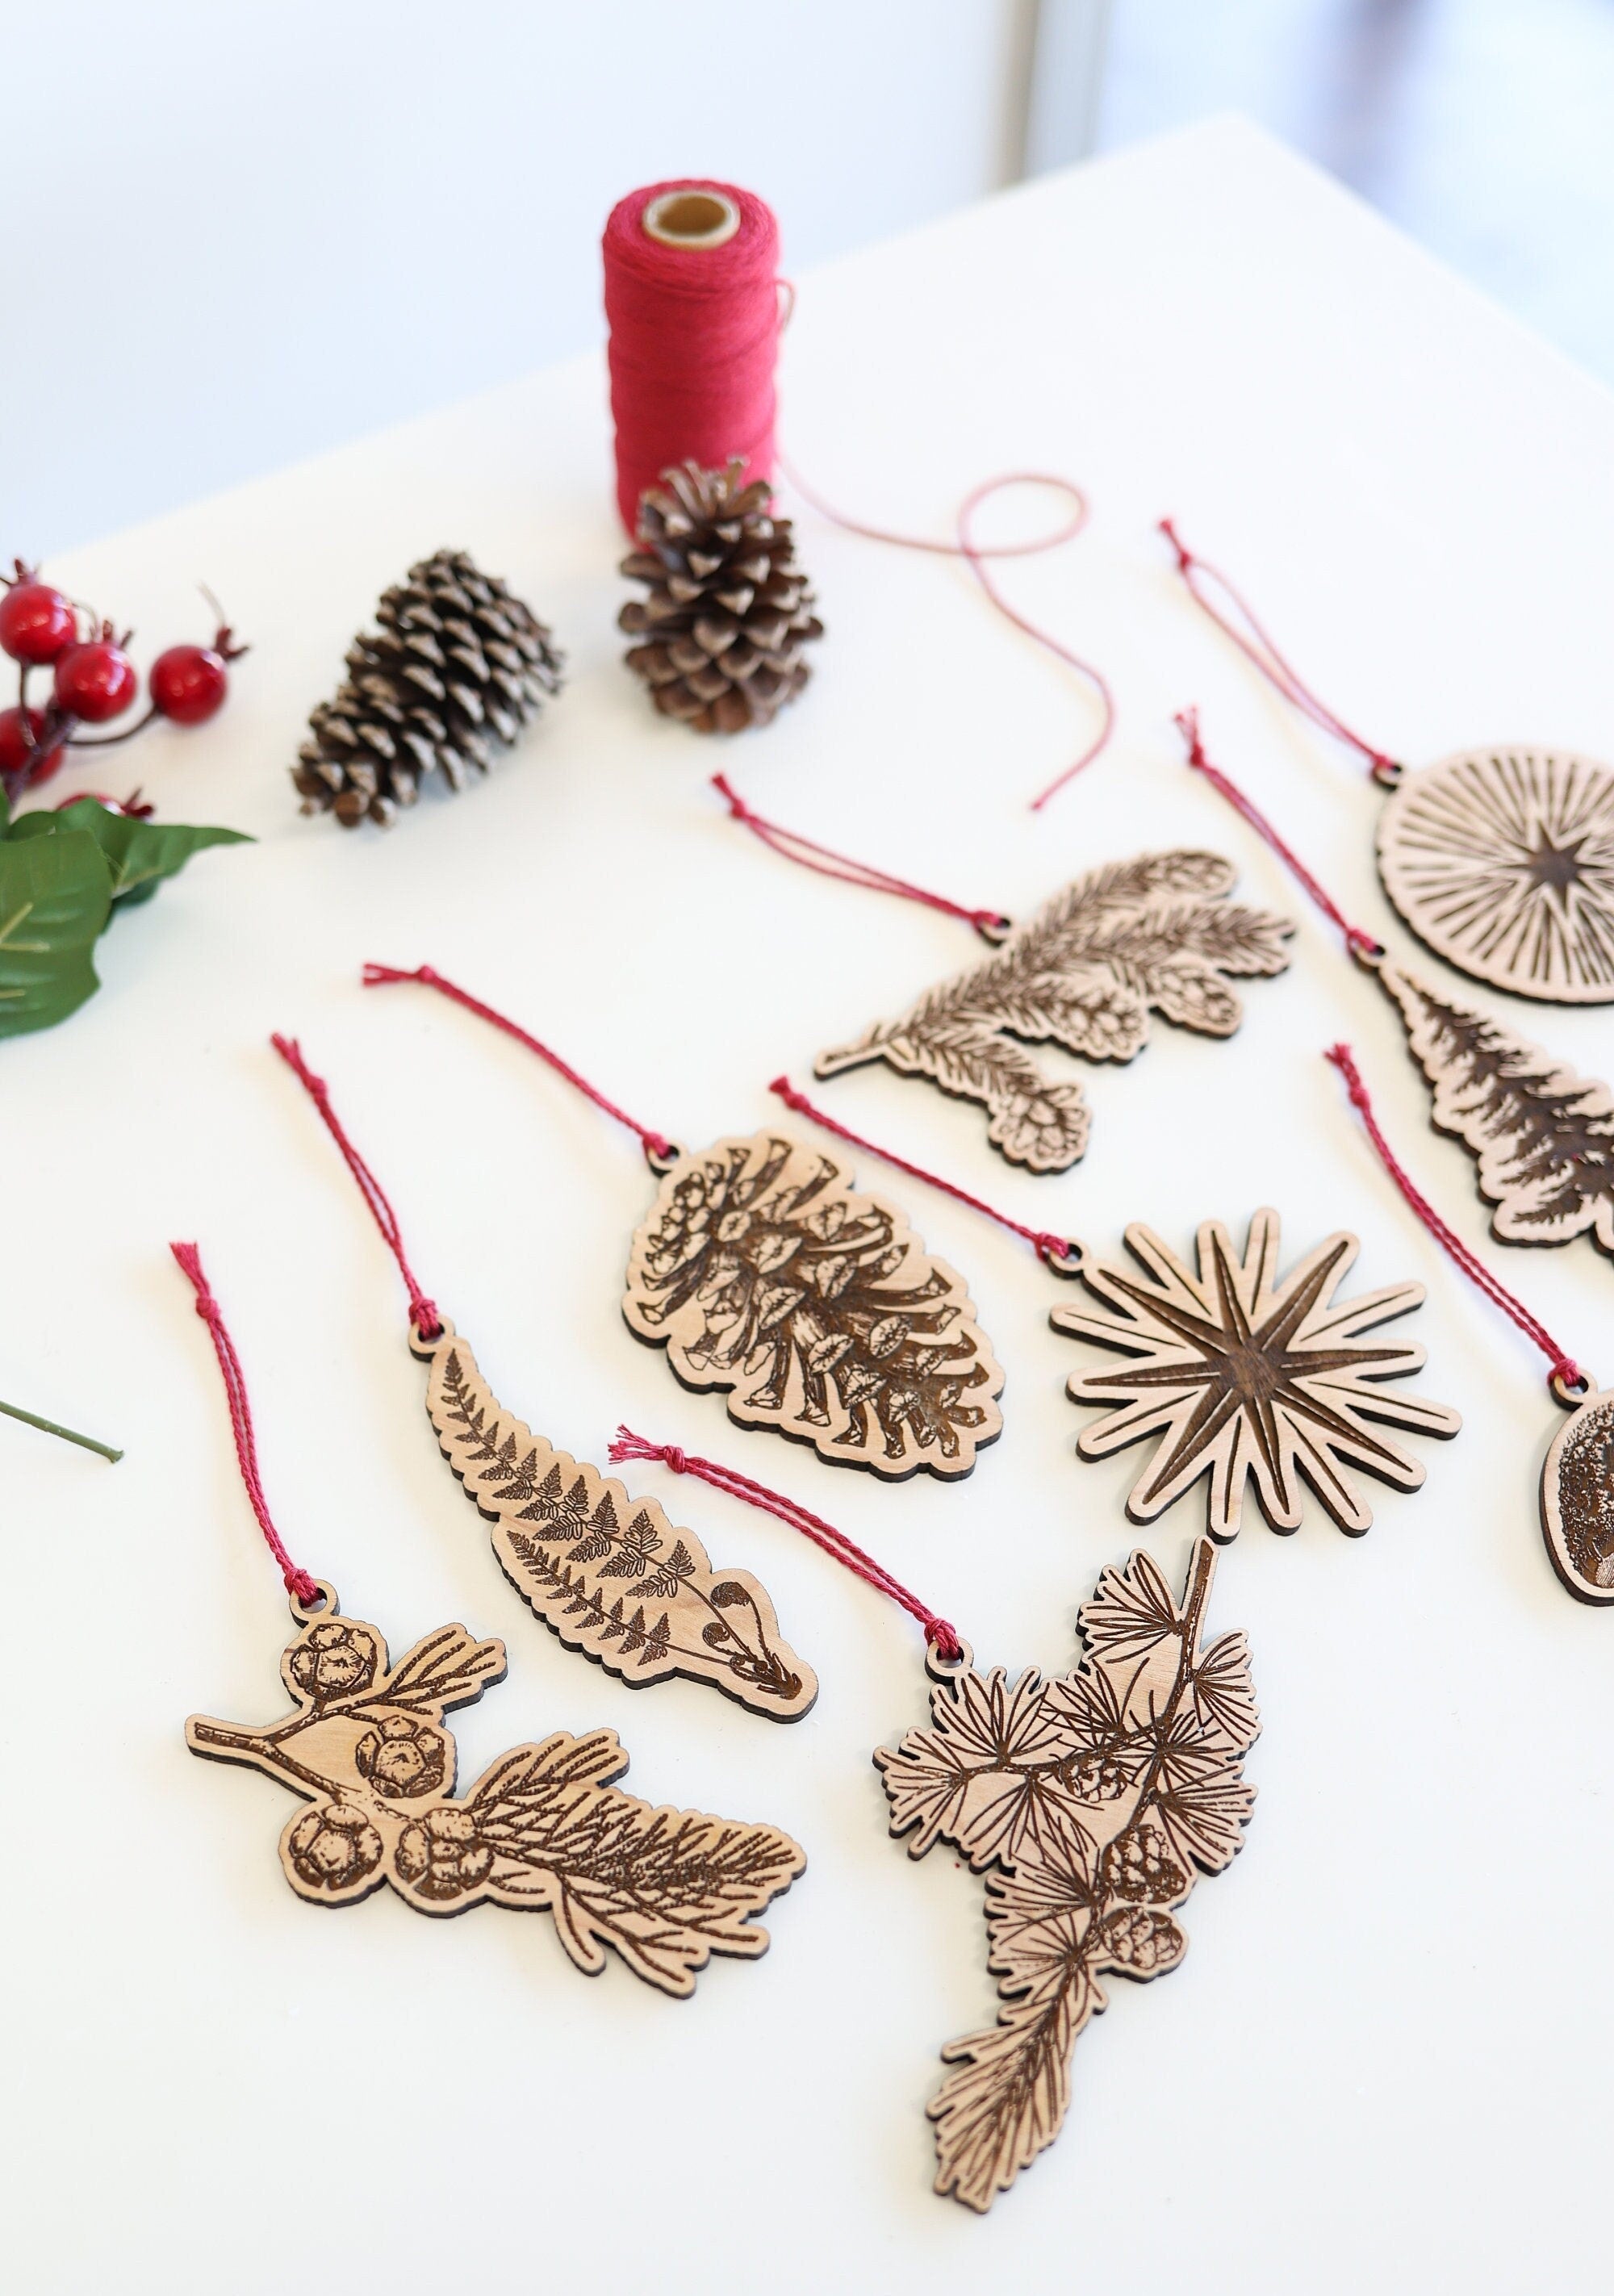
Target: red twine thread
{"points": [[693, 341], [300, 1585], [944, 1638], [792, 846], [1053, 1249], [380, 976], [1259, 647], [1562, 1367], [424, 1314], [1359, 943]]}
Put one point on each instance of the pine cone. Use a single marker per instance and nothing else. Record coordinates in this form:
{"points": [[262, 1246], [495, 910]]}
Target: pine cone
{"points": [[728, 611], [455, 670]]}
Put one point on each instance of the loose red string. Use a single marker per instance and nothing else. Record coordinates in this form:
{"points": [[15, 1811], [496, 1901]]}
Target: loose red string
{"points": [[379, 976], [1047, 1246], [1259, 647], [794, 847], [423, 1315], [944, 1638], [976, 554], [1359, 943], [1562, 1367], [300, 1585]]}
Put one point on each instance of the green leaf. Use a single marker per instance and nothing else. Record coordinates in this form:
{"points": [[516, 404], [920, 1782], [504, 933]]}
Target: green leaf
{"points": [[139, 853], [55, 897]]}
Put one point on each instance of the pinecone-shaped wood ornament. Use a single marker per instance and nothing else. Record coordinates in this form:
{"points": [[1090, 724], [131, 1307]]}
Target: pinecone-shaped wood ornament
{"points": [[720, 637], [455, 670]]}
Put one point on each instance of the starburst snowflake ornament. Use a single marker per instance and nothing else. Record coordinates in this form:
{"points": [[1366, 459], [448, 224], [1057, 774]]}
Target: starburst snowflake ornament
{"points": [[1249, 1376]]}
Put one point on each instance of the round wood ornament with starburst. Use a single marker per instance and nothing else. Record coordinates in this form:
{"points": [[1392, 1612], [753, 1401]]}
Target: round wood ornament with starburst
{"points": [[1502, 861]]}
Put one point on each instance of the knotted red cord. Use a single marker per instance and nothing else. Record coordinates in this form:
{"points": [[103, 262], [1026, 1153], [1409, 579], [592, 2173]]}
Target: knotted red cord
{"points": [[944, 1638], [300, 1585], [1562, 1368], [794, 847], [1260, 648], [975, 555], [423, 1315], [1360, 943], [377, 976], [1054, 1249]]}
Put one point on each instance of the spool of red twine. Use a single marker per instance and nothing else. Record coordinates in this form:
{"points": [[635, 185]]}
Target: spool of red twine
{"points": [[692, 301]]}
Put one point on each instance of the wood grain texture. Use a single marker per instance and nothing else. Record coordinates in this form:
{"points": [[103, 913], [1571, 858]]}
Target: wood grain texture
{"points": [[610, 1574], [815, 1309], [1578, 1500], [542, 1829], [1502, 861]]}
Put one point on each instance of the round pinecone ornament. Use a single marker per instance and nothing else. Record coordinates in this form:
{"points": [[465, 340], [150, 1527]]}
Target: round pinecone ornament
{"points": [[728, 611], [455, 670]]}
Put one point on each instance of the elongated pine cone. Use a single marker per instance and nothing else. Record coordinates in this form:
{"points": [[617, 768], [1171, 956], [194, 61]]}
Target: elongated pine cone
{"points": [[453, 673], [728, 611]]}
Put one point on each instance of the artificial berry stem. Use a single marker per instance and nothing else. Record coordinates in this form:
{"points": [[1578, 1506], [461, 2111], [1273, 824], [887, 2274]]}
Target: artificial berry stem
{"points": [[50, 1427]]}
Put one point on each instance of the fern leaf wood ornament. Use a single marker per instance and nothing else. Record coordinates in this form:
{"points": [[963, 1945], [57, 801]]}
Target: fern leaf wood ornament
{"points": [[1157, 933], [816, 1309], [544, 1829], [610, 1574], [1093, 1802], [1250, 1377]]}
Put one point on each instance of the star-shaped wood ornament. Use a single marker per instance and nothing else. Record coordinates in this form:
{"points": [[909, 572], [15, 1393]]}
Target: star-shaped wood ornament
{"points": [[1250, 1377]]}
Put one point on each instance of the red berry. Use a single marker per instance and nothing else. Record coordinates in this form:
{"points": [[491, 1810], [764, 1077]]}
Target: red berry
{"points": [[22, 761], [189, 683], [95, 681], [37, 623]]}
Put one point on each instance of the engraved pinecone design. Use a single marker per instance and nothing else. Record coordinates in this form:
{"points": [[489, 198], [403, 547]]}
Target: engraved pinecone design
{"points": [[457, 668], [718, 638]]}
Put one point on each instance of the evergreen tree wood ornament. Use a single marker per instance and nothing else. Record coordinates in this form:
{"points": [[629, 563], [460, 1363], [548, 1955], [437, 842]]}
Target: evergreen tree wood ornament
{"points": [[1500, 859], [1093, 1802], [610, 1574], [813, 1308], [1578, 1473], [544, 1829]]}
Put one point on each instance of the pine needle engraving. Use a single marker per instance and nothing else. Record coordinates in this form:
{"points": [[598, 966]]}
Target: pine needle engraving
{"points": [[1154, 933], [1092, 1801], [608, 1573], [762, 1272], [544, 1829]]}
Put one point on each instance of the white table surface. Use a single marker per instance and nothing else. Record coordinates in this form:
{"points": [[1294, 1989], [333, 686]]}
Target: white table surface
{"points": [[1385, 2059]]}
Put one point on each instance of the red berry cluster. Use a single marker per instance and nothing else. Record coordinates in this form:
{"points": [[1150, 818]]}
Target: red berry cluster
{"points": [[93, 680]]}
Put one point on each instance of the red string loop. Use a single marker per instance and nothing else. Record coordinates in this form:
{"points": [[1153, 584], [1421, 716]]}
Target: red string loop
{"points": [[380, 976], [975, 555], [1258, 645], [1562, 1368], [423, 1316], [944, 1638], [1059, 1252], [792, 846], [300, 1584], [1359, 943]]}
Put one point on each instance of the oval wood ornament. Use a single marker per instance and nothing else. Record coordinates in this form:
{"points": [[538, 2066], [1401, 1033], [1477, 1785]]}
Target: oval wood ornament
{"points": [[1578, 1498], [815, 1309], [1502, 861]]}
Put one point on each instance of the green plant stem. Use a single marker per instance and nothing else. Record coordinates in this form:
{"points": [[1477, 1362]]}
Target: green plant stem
{"points": [[49, 1427]]}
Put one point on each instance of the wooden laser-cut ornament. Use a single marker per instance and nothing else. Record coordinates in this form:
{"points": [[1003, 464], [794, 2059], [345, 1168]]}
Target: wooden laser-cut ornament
{"points": [[544, 1829], [1578, 1498], [1250, 1377], [815, 1308], [1156, 933], [1093, 1802], [610, 1574]]}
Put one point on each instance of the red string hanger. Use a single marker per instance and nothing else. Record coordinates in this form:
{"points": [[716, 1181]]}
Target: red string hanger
{"points": [[1501, 859], [1577, 1520]]}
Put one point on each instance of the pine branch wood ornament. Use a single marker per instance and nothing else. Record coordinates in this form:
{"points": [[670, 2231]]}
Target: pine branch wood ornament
{"points": [[1093, 1802], [1157, 933], [610, 1574], [456, 670], [728, 612]]}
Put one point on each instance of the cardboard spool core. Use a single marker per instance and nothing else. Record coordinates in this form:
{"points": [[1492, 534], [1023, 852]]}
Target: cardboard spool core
{"points": [[691, 217]]}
